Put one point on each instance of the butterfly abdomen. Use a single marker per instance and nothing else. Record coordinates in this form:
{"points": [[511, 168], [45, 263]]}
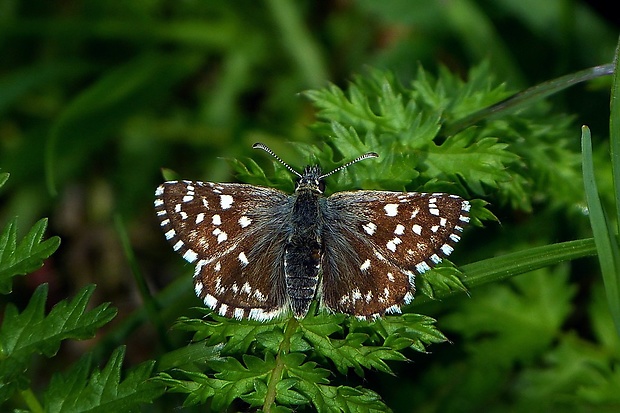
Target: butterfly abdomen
{"points": [[302, 255]]}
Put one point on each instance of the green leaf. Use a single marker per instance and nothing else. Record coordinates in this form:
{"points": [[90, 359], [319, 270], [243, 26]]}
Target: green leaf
{"points": [[349, 352], [342, 398], [409, 330], [603, 231], [23, 257], [236, 336], [26, 334], [479, 160], [102, 390]]}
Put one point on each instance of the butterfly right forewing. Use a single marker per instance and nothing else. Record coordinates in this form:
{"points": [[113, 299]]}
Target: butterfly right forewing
{"points": [[376, 242]]}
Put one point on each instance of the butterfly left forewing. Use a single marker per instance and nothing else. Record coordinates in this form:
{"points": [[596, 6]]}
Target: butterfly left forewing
{"points": [[234, 235], [387, 238]]}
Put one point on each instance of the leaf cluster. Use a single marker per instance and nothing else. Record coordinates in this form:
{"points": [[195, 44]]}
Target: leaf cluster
{"points": [[30, 333], [283, 365]]}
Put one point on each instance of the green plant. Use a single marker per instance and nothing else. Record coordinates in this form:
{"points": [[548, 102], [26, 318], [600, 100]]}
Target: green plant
{"points": [[283, 365], [30, 333]]}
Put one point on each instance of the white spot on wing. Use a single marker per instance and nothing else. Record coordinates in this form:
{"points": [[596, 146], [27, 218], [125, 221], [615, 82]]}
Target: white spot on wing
{"points": [[243, 259], [226, 201], [221, 235], [369, 228], [391, 210], [210, 301], [365, 265], [190, 255], [216, 219], [223, 309], [422, 267], [391, 244], [198, 288], [244, 221], [446, 249], [417, 229], [400, 229]]}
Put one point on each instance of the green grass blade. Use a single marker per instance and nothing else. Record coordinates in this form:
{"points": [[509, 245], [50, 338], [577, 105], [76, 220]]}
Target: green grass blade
{"points": [[604, 237], [520, 262], [527, 97], [614, 130]]}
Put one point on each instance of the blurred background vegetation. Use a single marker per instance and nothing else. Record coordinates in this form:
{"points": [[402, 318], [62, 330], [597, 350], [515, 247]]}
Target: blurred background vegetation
{"points": [[97, 96]]}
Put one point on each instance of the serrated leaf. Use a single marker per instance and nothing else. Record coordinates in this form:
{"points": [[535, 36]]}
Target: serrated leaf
{"points": [[285, 394], [257, 397], [409, 330], [480, 161], [199, 388], [443, 279], [308, 371], [234, 336], [342, 398], [103, 390], [23, 257], [350, 352], [239, 379], [29, 333]]}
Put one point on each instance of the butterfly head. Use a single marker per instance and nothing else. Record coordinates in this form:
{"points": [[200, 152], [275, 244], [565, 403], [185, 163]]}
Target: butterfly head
{"points": [[312, 177]]}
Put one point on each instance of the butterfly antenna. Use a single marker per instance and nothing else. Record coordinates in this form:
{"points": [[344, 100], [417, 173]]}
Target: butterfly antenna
{"points": [[359, 158], [272, 153]]}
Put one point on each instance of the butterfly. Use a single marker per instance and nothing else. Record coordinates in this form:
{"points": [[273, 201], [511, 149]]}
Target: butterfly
{"points": [[260, 253]]}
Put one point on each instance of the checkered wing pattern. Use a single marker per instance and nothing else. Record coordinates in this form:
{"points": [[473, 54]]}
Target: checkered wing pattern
{"points": [[234, 234], [376, 242]]}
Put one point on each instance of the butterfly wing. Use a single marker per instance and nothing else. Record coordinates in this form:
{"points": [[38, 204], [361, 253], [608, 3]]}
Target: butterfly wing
{"points": [[375, 242], [234, 234]]}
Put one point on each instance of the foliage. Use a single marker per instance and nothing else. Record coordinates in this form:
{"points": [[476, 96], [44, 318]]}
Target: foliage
{"points": [[96, 97], [287, 368], [27, 334]]}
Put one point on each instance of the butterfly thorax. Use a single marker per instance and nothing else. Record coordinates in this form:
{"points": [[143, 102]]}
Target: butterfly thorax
{"points": [[302, 255]]}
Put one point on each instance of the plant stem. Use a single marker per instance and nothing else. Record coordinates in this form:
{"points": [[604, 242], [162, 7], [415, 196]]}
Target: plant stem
{"points": [[31, 401], [276, 374]]}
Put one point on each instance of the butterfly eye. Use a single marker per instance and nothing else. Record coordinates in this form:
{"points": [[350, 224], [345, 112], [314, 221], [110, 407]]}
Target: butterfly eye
{"points": [[321, 185]]}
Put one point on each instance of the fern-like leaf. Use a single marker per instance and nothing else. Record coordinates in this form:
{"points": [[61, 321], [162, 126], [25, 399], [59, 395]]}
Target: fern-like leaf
{"points": [[26, 334], [23, 257], [102, 390]]}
